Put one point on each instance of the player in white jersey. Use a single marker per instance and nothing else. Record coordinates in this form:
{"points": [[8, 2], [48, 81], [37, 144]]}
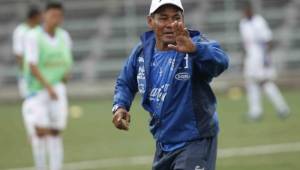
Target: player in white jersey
{"points": [[48, 60], [259, 71], [19, 37]]}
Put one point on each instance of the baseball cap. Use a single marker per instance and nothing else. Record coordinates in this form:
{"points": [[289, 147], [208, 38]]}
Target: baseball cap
{"points": [[155, 4]]}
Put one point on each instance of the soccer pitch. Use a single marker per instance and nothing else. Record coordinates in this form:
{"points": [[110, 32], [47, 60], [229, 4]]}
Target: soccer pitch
{"points": [[92, 142]]}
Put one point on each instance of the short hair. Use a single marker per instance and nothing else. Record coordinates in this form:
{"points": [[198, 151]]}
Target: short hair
{"points": [[33, 11], [54, 5], [247, 5]]}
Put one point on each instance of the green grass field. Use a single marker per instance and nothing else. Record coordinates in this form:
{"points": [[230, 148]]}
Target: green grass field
{"points": [[91, 136]]}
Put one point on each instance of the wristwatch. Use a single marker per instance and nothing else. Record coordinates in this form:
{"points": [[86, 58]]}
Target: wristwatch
{"points": [[116, 107]]}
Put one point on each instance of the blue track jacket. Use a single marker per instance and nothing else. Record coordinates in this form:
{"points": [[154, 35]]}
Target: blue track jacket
{"points": [[189, 109]]}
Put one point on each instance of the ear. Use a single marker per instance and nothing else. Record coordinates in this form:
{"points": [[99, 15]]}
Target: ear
{"points": [[150, 21]]}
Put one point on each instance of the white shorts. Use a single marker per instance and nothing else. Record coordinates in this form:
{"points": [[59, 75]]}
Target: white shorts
{"points": [[41, 111], [22, 87], [261, 74]]}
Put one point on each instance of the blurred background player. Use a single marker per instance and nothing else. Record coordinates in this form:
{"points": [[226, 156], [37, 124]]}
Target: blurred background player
{"points": [[33, 19], [258, 69], [48, 62]]}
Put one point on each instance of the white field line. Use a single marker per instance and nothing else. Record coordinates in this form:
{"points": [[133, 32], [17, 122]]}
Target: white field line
{"points": [[146, 159]]}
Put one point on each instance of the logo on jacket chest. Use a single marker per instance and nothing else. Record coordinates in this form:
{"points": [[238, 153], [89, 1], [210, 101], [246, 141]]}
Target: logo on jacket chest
{"points": [[182, 76]]}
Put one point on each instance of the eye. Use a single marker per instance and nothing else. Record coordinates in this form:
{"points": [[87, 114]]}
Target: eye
{"points": [[177, 18], [163, 18]]}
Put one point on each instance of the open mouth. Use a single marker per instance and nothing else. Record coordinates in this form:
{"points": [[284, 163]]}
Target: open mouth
{"points": [[169, 35]]}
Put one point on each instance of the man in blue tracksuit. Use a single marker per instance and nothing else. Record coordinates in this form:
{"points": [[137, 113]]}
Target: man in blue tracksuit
{"points": [[172, 68]]}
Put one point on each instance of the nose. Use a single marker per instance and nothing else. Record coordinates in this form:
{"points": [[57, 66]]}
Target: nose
{"points": [[169, 23]]}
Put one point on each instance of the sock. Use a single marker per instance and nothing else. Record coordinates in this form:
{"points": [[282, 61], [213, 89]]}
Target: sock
{"points": [[254, 99], [55, 150], [39, 152], [276, 97]]}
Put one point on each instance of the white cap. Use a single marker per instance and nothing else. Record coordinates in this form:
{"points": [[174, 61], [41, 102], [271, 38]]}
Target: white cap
{"points": [[155, 4]]}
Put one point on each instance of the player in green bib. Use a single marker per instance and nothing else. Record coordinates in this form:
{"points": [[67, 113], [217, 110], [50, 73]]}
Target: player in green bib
{"points": [[48, 61], [55, 60]]}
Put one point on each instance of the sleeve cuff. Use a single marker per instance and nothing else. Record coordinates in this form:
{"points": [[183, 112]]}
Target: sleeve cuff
{"points": [[198, 51], [116, 107]]}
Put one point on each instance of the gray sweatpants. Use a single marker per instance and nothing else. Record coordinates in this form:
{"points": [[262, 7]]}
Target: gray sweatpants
{"points": [[195, 155]]}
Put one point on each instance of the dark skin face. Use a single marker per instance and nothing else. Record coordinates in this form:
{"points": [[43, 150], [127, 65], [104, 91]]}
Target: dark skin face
{"points": [[248, 12], [161, 23], [52, 19], [34, 20]]}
